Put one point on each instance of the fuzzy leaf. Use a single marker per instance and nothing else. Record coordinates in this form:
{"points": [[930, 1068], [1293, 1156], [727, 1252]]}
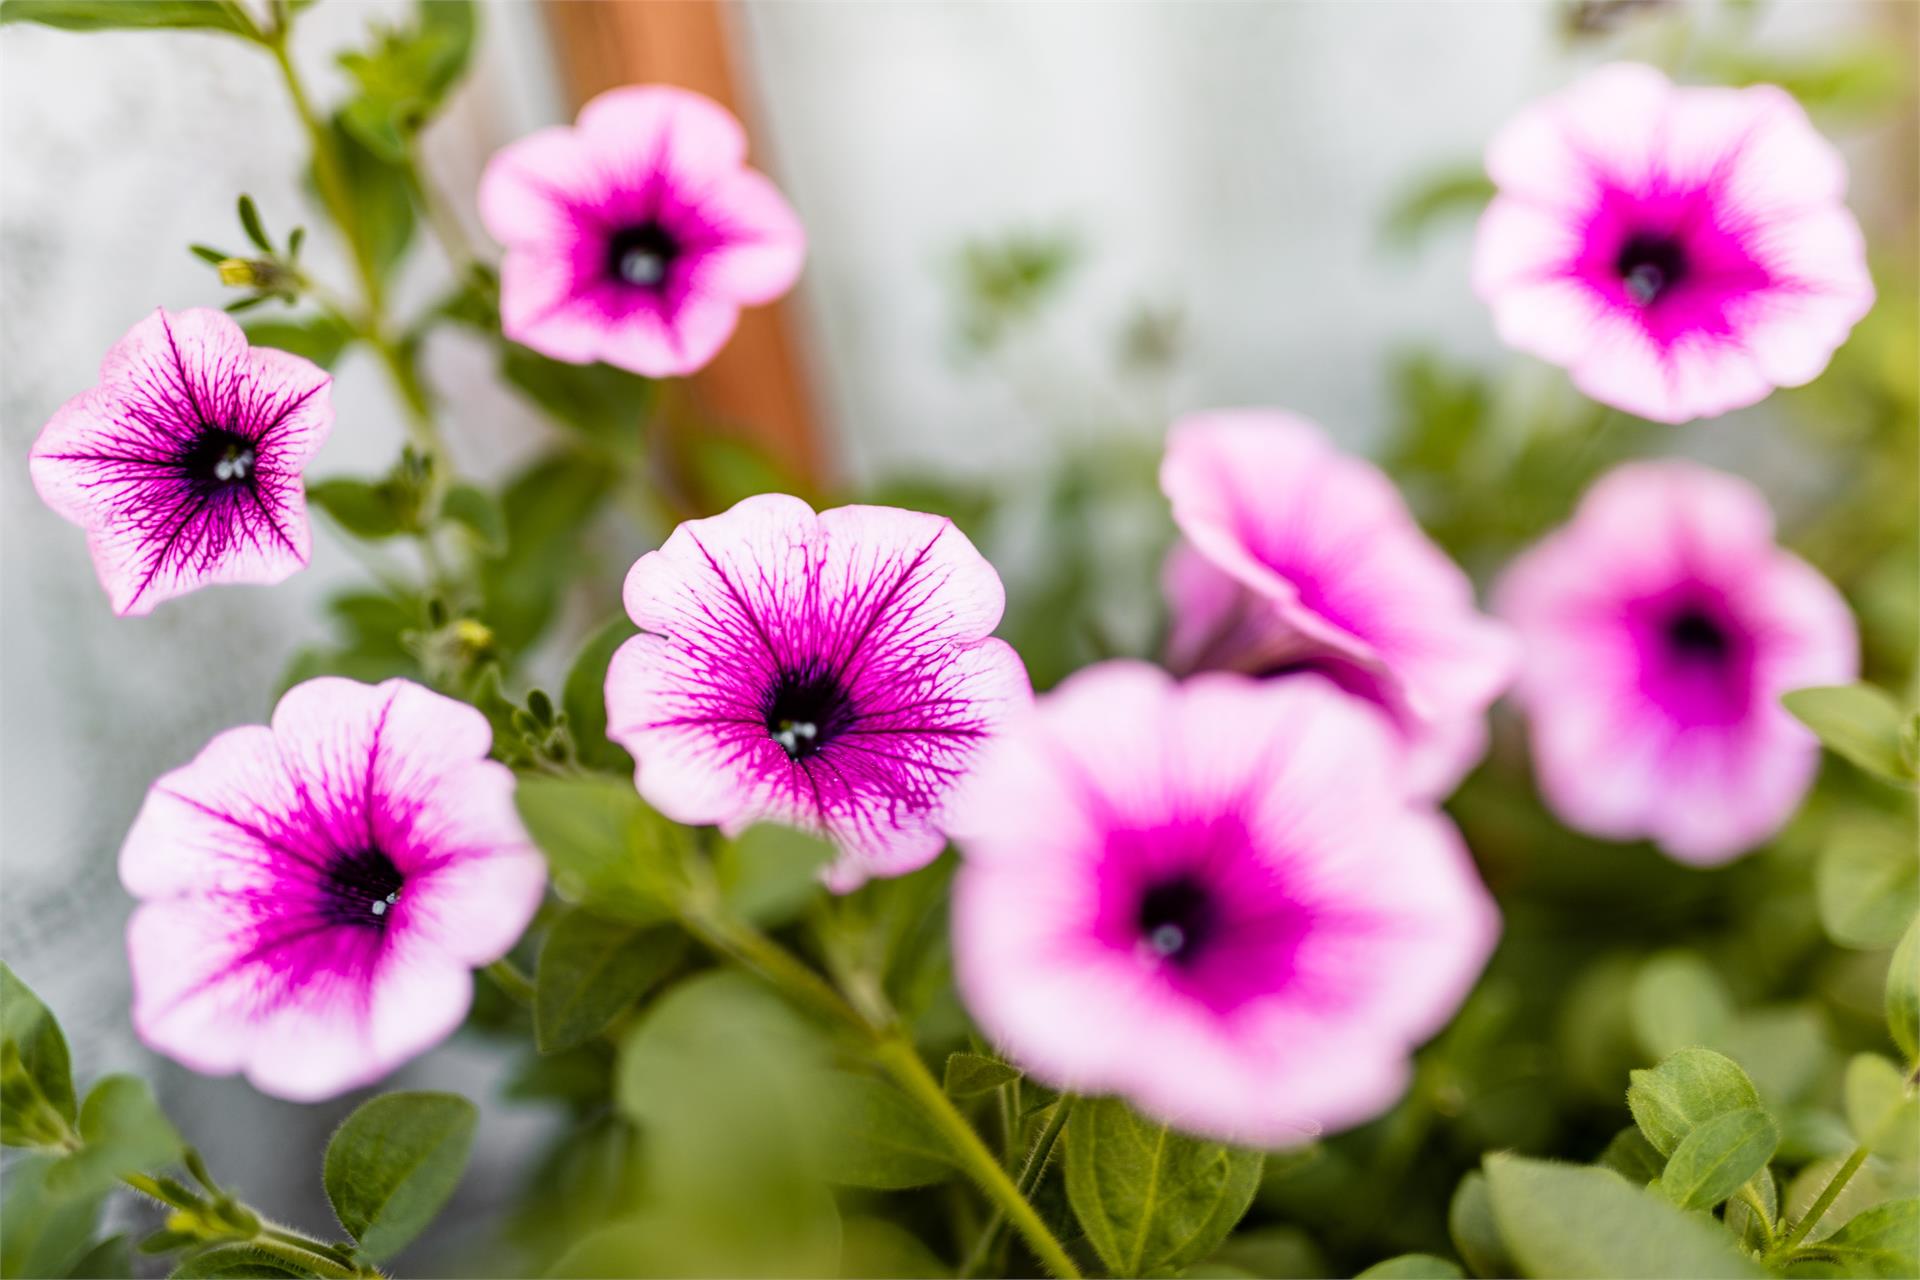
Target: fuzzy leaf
{"points": [[591, 971], [124, 1131], [1631, 1156], [1882, 1241], [1859, 722], [584, 697], [1412, 1266], [770, 873], [36, 1078], [1570, 1220], [1903, 993], [1476, 1236], [599, 401], [1867, 883], [971, 1074], [124, 15], [1152, 1200], [363, 509], [1688, 1089], [1716, 1158], [547, 509], [1678, 1000], [871, 1136], [318, 338], [394, 1162], [608, 851], [1882, 1112]]}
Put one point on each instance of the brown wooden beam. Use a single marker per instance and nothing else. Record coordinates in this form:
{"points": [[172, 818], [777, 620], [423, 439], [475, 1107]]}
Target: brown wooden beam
{"points": [[758, 383]]}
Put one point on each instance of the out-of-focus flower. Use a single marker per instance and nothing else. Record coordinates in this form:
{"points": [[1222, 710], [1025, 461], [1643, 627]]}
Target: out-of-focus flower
{"points": [[833, 672], [636, 236], [1659, 629], [1215, 899], [1681, 251], [1299, 558], [315, 893], [183, 465]]}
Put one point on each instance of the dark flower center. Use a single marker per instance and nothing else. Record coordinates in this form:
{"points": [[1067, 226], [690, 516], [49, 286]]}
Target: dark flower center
{"points": [[219, 459], [806, 709], [362, 887], [1176, 917], [642, 255], [1649, 265], [1693, 636]]}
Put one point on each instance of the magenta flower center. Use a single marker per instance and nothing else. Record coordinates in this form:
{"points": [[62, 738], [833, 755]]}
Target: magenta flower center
{"points": [[1176, 917], [217, 460], [806, 708], [642, 255], [1649, 264], [361, 887]]}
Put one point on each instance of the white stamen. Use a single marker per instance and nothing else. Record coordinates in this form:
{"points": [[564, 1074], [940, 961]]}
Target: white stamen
{"points": [[1167, 939], [791, 733], [642, 267]]}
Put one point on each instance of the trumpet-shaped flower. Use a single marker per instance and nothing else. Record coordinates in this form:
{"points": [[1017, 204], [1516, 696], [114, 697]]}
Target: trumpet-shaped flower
{"points": [[314, 894], [1299, 558], [636, 236], [1660, 627], [833, 672], [1215, 899], [1681, 251], [183, 465]]}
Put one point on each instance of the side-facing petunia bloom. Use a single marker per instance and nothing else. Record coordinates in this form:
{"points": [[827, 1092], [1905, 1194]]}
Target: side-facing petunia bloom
{"points": [[1215, 899], [636, 236], [1660, 628], [314, 894], [183, 465], [1680, 251], [1299, 558], [834, 672]]}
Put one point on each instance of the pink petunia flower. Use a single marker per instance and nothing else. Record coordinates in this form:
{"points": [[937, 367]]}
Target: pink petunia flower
{"points": [[1215, 899], [636, 236], [1660, 628], [1299, 558], [1682, 252], [314, 894], [184, 464], [832, 672]]}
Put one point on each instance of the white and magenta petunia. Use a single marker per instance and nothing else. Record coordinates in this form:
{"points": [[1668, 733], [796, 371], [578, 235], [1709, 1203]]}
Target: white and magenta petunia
{"points": [[636, 236], [834, 672], [1299, 558], [1215, 899], [1660, 628], [1681, 251], [314, 894], [183, 465]]}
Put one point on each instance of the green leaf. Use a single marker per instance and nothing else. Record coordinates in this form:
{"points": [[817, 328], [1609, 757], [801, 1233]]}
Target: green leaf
{"points": [[871, 1136], [406, 76], [124, 1131], [608, 851], [381, 197], [1454, 193], [770, 873], [1755, 1230], [125, 15], [1685, 1091], [599, 401], [1476, 1236], [111, 1259], [1412, 1266], [591, 971], [1566, 1220], [1903, 993], [1859, 722], [394, 1162], [584, 697], [251, 224], [36, 1078], [230, 1262], [1279, 1252], [1882, 1241], [1883, 1112], [364, 510], [1631, 1156], [1150, 1199], [1716, 1158], [970, 1074], [1867, 883], [41, 1234], [476, 512], [1678, 1000], [319, 338], [547, 508]]}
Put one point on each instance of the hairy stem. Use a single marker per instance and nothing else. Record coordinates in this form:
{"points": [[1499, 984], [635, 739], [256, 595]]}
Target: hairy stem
{"points": [[1030, 1175], [1828, 1194]]}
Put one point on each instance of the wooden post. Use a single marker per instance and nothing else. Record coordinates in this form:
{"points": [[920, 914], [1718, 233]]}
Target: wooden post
{"points": [[758, 382]]}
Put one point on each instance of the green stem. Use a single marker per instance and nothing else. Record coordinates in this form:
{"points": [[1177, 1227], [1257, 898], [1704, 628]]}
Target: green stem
{"points": [[1030, 1175], [1831, 1192], [312, 1255], [1759, 1211]]}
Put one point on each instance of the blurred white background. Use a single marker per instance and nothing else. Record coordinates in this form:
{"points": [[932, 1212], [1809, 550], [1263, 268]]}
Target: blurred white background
{"points": [[1233, 160]]}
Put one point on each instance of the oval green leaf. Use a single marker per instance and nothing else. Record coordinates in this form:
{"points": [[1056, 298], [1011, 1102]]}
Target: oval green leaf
{"points": [[394, 1162]]}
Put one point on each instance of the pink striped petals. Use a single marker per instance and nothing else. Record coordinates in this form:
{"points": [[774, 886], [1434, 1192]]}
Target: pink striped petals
{"points": [[1298, 558], [183, 465], [636, 236], [1681, 251], [1660, 627], [314, 893], [833, 672], [1215, 899]]}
